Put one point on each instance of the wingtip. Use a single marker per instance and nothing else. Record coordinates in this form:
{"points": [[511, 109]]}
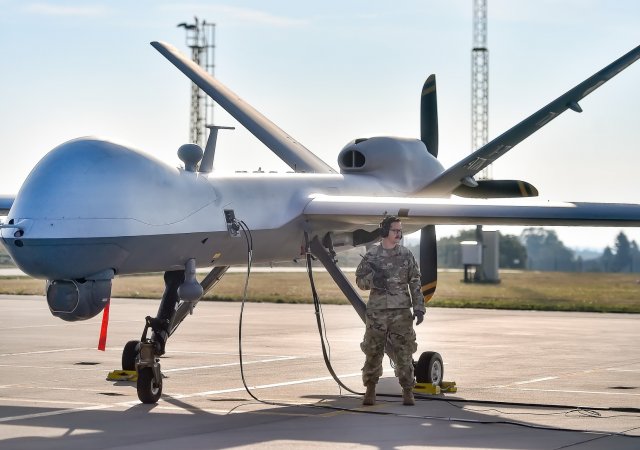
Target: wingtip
{"points": [[159, 45]]}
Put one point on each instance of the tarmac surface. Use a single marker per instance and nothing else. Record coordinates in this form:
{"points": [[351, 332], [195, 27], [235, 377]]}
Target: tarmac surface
{"points": [[526, 380]]}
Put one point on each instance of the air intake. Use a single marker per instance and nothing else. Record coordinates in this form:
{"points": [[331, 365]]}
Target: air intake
{"points": [[352, 159]]}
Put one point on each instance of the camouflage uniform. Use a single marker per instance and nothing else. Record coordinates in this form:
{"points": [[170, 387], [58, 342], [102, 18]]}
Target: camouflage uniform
{"points": [[394, 279]]}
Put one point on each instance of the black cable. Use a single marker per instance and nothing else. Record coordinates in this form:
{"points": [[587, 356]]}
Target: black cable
{"points": [[249, 240], [318, 311]]}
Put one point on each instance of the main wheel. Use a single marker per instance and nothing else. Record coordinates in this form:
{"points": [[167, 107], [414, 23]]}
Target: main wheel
{"points": [[129, 354], [149, 389], [430, 368]]}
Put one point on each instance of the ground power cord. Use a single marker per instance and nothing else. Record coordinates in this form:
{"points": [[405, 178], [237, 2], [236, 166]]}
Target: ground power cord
{"points": [[322, 331], [320, 321]]}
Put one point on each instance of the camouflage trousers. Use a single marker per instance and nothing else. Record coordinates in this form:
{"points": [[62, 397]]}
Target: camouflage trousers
{"points": [[393, 327]]}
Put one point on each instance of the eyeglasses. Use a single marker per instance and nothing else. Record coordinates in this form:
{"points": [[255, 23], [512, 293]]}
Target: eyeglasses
{"points": [[396, 231]]}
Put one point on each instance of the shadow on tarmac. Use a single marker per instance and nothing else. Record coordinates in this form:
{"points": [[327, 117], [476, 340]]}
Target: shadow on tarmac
{"points": [[333, 422]]}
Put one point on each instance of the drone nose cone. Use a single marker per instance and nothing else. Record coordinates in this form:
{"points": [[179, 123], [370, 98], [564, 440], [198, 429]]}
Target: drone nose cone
{"points": [[94, 179], [79, 178], [83, 204]]}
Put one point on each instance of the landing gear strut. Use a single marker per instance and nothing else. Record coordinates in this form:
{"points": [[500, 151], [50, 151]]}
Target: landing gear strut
{"points": [[143, 356], [148, 351]]}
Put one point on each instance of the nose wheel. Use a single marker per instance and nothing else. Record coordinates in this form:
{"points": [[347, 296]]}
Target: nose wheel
{"points": [[149, 386], [146, 362]]}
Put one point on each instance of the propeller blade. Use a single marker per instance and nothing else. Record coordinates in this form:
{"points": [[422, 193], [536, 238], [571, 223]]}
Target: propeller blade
{"points": [[497, 189], [428, 262], [429, 116]]}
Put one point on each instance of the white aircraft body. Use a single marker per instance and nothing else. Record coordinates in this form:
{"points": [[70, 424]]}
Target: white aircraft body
{"points": [[92, 209]]}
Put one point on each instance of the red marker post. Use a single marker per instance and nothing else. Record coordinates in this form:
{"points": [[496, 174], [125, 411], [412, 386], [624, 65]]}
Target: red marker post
{"points": [[102, 342]]}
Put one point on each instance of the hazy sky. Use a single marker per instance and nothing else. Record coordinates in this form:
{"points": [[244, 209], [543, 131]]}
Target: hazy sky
{"points": [[327, 72]]}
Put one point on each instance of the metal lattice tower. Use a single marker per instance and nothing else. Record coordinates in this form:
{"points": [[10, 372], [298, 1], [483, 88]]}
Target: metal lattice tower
{"points": [[201, 41], [480, 82]]}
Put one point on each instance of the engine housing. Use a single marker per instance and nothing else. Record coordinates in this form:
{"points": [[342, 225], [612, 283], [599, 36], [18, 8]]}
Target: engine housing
{"points": [[403, 165]]}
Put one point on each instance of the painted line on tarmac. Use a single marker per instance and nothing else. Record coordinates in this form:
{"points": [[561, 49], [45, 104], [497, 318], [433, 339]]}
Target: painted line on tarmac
{"points": [[265, 386], [228, 354], [37, 400], [40, 352], [535, 380], [212, 366], [564, 375], [191, 410], [569, 391], [103, 406], [55, 413], [19, 366], [98, 368], [93, 323]]}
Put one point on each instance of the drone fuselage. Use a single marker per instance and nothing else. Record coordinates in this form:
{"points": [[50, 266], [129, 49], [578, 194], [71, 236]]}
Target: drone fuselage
{"points": [[92, 205]]}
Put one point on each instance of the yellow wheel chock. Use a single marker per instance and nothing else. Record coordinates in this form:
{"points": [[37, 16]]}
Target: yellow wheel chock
{"points": [[122, 375], [448, 387]]}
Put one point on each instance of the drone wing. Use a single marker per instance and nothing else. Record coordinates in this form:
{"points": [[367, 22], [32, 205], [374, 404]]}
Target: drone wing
{"points": [[293, 153], [465, 169], [343, 212]]}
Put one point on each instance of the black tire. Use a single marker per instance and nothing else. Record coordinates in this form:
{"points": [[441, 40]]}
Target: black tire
{"points": [[149, 389], [129, 354], [430, 368]]}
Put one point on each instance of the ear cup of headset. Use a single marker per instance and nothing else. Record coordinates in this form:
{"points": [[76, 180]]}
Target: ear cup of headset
{"points": [[385, 226]]}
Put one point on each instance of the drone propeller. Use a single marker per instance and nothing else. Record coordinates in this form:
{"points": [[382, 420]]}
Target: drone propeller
{"points": [[428, 240], [429, 116]]}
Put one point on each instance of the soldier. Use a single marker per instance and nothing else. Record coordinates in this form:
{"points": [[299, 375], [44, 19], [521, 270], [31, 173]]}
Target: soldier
{"points": [[391, 272]]}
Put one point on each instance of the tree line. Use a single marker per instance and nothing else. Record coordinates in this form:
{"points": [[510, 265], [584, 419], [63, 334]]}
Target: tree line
{"points": [[541, 249]]}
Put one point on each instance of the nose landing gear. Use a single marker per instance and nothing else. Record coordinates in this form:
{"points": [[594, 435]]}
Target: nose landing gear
{"points": [[149, 383], [143, 356]]}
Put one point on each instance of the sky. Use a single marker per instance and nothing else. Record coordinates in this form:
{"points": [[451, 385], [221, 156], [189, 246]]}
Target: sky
{"points": [[326, 73]]}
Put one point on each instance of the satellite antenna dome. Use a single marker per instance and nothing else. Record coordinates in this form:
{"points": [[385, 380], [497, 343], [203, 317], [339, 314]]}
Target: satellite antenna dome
{"points": [[190, 155]]}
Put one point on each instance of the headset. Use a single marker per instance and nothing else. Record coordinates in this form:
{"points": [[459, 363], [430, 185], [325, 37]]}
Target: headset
{"points": [[385, 225]]}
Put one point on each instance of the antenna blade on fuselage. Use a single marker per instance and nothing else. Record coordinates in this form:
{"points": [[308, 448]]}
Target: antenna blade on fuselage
{"points": [[294, 154]]}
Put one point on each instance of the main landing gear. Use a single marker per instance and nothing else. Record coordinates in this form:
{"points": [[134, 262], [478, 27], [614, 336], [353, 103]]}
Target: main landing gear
{"points": [[429, 368], [143, 356]]}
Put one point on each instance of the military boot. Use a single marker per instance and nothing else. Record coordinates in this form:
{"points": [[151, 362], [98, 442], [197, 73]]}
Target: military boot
{"points": [[407, 397], [369, 396]]}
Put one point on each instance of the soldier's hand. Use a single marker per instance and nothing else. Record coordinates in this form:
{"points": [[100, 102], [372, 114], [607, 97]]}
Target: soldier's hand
{"points": [[379, 280], [364, 282], [419, 316]]}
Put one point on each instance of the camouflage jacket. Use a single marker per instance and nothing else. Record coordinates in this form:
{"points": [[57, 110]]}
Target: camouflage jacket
{"points": [[393, 277]]}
